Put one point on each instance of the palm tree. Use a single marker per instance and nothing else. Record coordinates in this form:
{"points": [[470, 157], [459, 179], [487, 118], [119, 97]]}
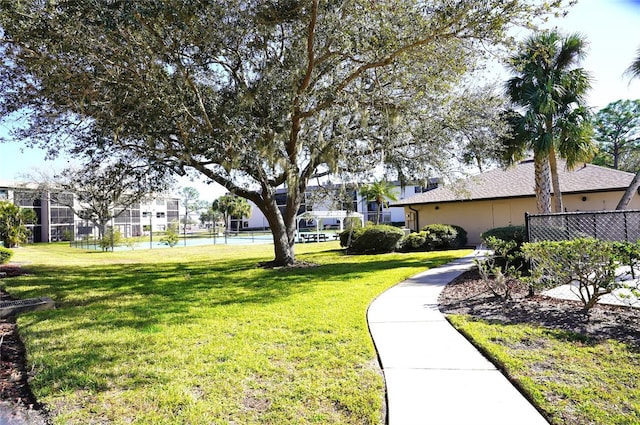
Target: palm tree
{"points": [[634, 69], [230, 206], [13, 224], [549, 91], [380, 192]]}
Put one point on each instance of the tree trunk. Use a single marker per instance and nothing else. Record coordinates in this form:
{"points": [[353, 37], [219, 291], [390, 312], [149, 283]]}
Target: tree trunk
{"points": [[102, 227], [543, 185], [628, 194], [283, 232], [555, 181]]}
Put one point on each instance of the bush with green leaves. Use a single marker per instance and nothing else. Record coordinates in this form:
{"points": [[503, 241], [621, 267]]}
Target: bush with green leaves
{"points": [[629, 254], [374, 239], [5, 255], [588, 264], [500, 270], [445, 236], [515, 234], [171, 237], [111, 239], [413, 242], [508, 233], [440, 236], [349, 235]]}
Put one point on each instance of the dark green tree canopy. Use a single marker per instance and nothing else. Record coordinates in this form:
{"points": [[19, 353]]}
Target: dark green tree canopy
{"points": [[617, 129], [251, 94]]}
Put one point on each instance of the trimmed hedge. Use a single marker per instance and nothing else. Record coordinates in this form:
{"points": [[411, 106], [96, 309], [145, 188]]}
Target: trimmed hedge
{"points": [[372, 239], [517, 234], [435, 237], [445, 236], [461, 237], [414, 242], [5, 255]]}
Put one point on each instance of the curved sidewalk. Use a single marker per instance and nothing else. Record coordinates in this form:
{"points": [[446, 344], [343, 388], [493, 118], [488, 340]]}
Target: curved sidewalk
{"points": [[433, 374]]}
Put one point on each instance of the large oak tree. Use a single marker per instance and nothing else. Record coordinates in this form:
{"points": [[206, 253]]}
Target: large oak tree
{"points": [[252, 94]]}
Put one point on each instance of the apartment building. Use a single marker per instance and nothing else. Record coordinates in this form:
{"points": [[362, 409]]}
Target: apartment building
{"points": [[319, 198], [56, 221]]}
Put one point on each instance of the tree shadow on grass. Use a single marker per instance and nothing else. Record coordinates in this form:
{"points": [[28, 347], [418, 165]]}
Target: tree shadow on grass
{"points": [[140, 299], [139, 294]]}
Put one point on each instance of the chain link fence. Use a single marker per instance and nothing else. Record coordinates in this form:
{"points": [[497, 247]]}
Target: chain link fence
{"points": [[621, 225]]}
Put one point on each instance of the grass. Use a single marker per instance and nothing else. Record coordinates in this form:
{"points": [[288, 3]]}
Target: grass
{"points": [[573, 379], [200, 335]]}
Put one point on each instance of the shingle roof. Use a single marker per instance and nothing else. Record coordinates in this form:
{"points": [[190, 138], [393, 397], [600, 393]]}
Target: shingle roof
{"points": [[518, 181]]}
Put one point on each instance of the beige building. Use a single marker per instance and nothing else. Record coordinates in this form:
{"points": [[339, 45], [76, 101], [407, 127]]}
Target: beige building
{"points": [[502, 197]]}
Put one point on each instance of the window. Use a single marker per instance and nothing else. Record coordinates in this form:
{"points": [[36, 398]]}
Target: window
{"points": [[27, 199], [352, 204], [172, 216], [61, 199], [4, 194], [372, 206], [160, 215]]}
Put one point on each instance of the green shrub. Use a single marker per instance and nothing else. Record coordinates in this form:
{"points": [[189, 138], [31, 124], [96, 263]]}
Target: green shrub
{"points": [[588, 263], [435, 236], [413, 242], [518, 234], [111, 238], [629, 254], [171, 237], [440, 236], [373, 239], [67, 235], [513, 257], [5, 255], [461, 238], [348, 236], [500, 271]]}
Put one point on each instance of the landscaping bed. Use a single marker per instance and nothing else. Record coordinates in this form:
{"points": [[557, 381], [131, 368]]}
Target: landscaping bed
{"points": [[468, 295], [576, 368]]}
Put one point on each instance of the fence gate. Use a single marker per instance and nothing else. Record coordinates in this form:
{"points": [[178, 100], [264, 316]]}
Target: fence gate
{"points": [[623, 225]]}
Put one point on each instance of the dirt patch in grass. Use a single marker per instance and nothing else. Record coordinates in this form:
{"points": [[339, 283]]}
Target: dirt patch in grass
{"points": [[468, 294]]}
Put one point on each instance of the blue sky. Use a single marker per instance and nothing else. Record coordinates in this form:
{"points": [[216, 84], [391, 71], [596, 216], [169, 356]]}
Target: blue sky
{"points": [[612, 28]]}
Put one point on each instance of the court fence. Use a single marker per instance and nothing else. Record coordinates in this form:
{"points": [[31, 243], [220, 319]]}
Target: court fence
{"points": [[623, 225]]}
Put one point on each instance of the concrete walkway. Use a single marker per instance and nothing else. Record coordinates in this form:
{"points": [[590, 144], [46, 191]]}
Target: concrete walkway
{"points": [[434, 376]]}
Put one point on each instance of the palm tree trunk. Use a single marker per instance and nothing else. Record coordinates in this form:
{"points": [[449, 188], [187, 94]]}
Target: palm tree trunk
{"points": [[555, 181], [628, 194], [543, 184]]}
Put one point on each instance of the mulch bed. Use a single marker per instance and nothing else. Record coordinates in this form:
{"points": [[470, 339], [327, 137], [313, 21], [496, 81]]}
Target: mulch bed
{"points": [[469, 295]]}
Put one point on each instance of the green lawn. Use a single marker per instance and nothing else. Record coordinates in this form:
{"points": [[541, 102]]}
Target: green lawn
{"points": [[200, 335], [576, 380]]}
